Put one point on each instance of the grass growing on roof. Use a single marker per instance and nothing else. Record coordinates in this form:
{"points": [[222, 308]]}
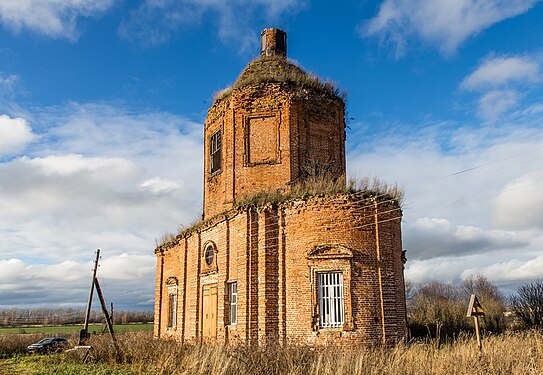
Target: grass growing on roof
{"points": [[314, 185], [276, 69], [323, 185]]}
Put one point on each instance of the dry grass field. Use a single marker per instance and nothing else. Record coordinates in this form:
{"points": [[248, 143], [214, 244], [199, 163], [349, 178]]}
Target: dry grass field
{"points": [[512, 353]]}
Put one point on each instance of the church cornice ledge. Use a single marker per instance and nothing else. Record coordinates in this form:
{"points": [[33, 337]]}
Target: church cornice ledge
{"points": [[267, 203], [198, 227], [263, 201]]}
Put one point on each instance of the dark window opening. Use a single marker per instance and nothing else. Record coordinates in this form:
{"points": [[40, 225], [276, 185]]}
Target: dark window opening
{"points": [[215, 151], [281, 42], [172, 310], [209, 254]]}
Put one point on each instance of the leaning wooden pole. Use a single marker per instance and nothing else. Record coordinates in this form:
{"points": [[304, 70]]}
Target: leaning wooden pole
{"points": [[85, 331], [104, 309]]}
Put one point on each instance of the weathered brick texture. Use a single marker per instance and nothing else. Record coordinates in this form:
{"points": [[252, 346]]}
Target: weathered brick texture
{"points": [[274, 133], [272, 137], [274, 255]]}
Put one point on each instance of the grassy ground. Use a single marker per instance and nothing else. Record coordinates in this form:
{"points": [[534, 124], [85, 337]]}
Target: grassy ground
{"points": [[54, 365], [60, 330], [513, 353]]}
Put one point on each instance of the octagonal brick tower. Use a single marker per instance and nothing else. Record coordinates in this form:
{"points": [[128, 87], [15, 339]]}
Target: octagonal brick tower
{"points": [[274, 127]]}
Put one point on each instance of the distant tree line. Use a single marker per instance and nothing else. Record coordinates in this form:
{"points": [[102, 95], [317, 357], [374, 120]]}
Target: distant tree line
{"points": [[17, 317], [438, 310]]}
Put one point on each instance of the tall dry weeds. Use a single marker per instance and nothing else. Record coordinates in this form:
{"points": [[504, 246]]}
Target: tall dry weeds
{"points": [[512, 353]]}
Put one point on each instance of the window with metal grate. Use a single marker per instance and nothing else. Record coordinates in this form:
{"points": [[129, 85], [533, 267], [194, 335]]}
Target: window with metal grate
{"points": [[331, 306]]}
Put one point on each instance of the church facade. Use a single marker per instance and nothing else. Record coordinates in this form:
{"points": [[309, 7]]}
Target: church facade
{"points": [[311, 268]]}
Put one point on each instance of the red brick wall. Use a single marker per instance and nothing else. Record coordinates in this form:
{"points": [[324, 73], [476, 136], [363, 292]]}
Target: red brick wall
{"points": [[273, 254], [318, 138], [270, 137]]}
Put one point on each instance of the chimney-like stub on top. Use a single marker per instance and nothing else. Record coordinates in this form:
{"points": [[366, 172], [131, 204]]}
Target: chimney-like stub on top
{"points": [[273, 42]]}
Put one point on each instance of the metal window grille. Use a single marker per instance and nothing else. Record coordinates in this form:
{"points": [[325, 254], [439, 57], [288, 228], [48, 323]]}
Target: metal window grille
{"points": [[172, 310], [331, 300], [215, 151], [233, 291]]}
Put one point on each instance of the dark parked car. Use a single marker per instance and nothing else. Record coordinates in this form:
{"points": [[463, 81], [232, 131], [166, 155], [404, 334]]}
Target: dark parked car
{"points": [[48, 345]]}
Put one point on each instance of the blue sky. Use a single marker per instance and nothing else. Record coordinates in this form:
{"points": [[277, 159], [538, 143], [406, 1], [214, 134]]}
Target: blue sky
{"points": [[102, 104]]}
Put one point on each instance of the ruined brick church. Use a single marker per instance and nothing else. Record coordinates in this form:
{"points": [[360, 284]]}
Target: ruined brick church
{"points": [[314, 267]]}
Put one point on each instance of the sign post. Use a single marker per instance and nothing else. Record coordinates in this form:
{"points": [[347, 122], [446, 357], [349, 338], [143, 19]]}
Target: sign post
{"points": [[475, 310]]}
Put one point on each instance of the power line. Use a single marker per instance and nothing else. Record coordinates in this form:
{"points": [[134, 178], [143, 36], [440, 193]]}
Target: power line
{"points": [[492, 162]]}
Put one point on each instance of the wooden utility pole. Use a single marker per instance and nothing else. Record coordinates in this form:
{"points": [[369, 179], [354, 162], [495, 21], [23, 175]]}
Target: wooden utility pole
{"points": [[84, 333], [104, 309]]}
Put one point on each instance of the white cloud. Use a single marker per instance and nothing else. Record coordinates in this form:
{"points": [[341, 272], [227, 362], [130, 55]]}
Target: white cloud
{"points": [[472, 194], [53, 18], [444, 24], [7, 82], [512, 270], [129, 267], [71, 164], [126, 279], [443, 269], [518, 204], [155, 22], [71, 184], [15, 133], [494, 104], [158, 185], [501, 83], [499, 71], [507, 271], [431, 237], [99, 176]]}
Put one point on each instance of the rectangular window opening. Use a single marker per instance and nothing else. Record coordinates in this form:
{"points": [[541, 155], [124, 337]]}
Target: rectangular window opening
{"points": [[215, 144], [331, 304], [172, 310], [233, 302]]}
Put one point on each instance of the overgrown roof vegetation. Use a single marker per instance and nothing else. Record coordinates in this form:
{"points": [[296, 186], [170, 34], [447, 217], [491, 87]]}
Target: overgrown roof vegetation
{"points": [[278, 69], [312, 186], [322, 186]]}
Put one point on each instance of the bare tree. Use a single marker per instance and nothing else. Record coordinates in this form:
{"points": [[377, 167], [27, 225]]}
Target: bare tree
{"points": [[438, 309], [527, 304]]}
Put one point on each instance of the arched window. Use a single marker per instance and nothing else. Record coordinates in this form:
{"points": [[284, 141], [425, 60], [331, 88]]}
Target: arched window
{"points": [[209, 254]]}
